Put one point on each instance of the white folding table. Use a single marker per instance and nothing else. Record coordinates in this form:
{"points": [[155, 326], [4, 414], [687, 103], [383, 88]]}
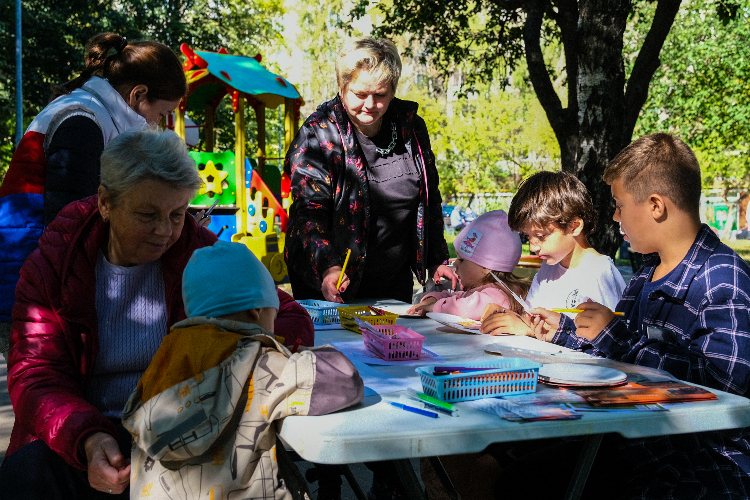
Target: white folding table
{"points": [[374, 430]]}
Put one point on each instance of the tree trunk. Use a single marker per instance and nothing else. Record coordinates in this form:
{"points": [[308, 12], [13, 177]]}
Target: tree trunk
{"points": [[601, 108], [601, 114]]}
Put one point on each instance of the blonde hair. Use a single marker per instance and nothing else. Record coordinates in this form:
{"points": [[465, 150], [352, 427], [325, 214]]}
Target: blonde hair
{"points": [[519, 285], [379, 56]]}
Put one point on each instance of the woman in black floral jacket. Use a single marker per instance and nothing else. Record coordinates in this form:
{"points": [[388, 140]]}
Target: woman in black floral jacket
{"points": [[364, 178]]}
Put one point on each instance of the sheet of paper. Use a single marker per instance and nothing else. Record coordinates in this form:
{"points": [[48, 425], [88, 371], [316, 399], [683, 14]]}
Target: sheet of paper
{"points": [[380, 383], [529, 345], [356, 351], [491, 406]]}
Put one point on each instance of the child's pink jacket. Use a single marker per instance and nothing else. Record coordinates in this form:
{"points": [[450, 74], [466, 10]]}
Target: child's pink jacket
{"points": [[470, 304]]}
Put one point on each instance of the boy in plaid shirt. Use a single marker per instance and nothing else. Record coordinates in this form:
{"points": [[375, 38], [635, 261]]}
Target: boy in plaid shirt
{"points": [[687, 311]]}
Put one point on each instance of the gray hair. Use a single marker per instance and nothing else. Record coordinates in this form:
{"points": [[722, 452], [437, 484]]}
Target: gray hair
{"points": [[136, 156], [379, 56]]}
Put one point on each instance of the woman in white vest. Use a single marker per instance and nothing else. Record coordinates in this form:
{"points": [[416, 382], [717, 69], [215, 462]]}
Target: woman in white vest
{"points": [[125, 85]]}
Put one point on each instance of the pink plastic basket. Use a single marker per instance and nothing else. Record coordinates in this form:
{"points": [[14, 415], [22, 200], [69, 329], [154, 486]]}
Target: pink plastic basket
{"points": [[407, 346]]}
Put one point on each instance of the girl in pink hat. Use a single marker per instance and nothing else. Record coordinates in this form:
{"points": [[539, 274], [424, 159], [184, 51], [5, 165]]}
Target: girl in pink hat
{"points": [[487, 245]]}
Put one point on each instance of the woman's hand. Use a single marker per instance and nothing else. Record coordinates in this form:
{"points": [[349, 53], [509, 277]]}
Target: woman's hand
{"points": [[423, 307], [330, 278], [444, 271], [108, 470], [496, 320], [202, 222]]}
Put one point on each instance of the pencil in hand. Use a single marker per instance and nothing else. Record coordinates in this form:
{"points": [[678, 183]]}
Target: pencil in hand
{"points": [[343, 268], [576, 311]]}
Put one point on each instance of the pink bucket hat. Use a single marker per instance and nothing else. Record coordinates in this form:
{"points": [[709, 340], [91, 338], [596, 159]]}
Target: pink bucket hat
{"points": [[489, 242]]}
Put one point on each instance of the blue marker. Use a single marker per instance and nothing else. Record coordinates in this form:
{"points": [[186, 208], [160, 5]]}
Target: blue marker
{"points": [[415, 410]]}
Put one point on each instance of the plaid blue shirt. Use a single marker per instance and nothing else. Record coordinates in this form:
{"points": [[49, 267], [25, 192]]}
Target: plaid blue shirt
{"points": [[696, 326]]}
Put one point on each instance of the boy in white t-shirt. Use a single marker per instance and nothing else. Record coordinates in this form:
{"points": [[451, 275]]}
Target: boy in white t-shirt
{"points": [[555, 211]]}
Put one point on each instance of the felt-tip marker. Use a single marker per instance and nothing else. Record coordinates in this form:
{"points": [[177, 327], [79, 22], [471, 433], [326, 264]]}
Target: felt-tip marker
{"points": [[433, 401], [419, 411], [211, 209], [413, 401], [460, 369]]}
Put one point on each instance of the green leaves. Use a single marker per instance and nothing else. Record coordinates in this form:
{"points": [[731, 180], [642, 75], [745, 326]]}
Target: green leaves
{"points": [[54, 34], [701, 92], [489, 140]]}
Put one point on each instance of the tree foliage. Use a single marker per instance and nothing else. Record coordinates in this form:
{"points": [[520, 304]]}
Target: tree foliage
{"points": [[701, 92], [489, 140], [517, 136], [54, 34], [490, 37]]}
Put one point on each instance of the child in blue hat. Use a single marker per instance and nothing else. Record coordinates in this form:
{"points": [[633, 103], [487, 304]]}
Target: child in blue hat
{"points": [[219, 371]]}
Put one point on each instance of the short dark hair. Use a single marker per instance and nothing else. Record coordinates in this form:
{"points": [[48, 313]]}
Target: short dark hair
{"points": [[662, 164], [548, 198]]}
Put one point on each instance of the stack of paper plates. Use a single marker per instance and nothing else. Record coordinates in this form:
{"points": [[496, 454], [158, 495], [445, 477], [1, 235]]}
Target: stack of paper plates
{"points": [[581, 375]]}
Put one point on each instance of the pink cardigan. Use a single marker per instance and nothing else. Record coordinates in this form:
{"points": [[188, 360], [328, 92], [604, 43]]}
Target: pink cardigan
{"points": [[469, 304]]}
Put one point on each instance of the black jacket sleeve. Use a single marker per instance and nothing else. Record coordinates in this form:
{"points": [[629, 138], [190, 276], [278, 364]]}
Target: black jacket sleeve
{"points": [[73, 164]]}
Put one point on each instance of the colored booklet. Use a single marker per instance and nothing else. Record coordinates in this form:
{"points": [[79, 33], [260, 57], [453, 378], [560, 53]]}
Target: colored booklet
{"points": [[671, 391], [583, 407]]}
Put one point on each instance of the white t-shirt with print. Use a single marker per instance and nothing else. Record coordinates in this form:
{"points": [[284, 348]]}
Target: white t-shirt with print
{"points": [[595, 277]]}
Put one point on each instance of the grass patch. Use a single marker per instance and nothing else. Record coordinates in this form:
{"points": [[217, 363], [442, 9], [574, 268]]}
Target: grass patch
{"points": [[742, 247], [449, 237]]}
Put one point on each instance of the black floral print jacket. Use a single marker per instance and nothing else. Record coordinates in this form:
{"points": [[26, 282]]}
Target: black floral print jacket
{"points": [[330, 211]]}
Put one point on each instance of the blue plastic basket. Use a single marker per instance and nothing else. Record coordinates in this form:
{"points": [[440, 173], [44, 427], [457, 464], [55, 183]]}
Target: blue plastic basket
{"points": [[501, 378], [322, 312]]}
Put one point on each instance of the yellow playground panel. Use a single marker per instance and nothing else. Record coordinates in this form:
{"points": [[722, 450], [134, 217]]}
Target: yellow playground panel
{"points": [[252, 202]]}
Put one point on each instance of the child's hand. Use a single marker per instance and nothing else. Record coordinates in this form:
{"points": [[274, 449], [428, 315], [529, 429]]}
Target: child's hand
{"points": [[545, 323], [496, 320], [423, 307], [594, 318]]}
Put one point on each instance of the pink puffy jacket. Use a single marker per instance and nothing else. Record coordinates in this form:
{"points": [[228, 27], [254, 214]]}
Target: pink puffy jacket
{"points": [[469, 304]]}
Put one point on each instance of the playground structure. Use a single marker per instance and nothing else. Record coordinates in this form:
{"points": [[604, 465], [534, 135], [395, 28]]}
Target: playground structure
{"points": [[253, 202]]}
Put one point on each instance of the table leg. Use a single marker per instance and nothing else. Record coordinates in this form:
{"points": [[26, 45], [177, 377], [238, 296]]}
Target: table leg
{"points": [[583, 467], [409, 480], [295, 481], [445, 480], [353, 483]]}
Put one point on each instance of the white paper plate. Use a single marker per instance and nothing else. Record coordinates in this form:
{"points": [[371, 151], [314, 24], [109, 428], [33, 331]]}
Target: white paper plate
{"points": [[580, 374], [457, 322]]}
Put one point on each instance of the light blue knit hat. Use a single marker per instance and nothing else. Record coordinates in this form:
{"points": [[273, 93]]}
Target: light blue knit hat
{"points": [[225, 279]]}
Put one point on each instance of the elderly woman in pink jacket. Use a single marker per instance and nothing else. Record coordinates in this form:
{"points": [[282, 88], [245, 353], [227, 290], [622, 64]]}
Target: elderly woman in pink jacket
{"points": [[485, 247]]}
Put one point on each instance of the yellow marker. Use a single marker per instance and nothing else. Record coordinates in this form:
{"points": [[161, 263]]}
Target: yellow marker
{"points": [[341, 276], [616, 313]]}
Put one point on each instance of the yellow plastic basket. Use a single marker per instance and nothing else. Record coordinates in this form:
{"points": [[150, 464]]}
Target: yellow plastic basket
{"points": [[347, 315]]}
